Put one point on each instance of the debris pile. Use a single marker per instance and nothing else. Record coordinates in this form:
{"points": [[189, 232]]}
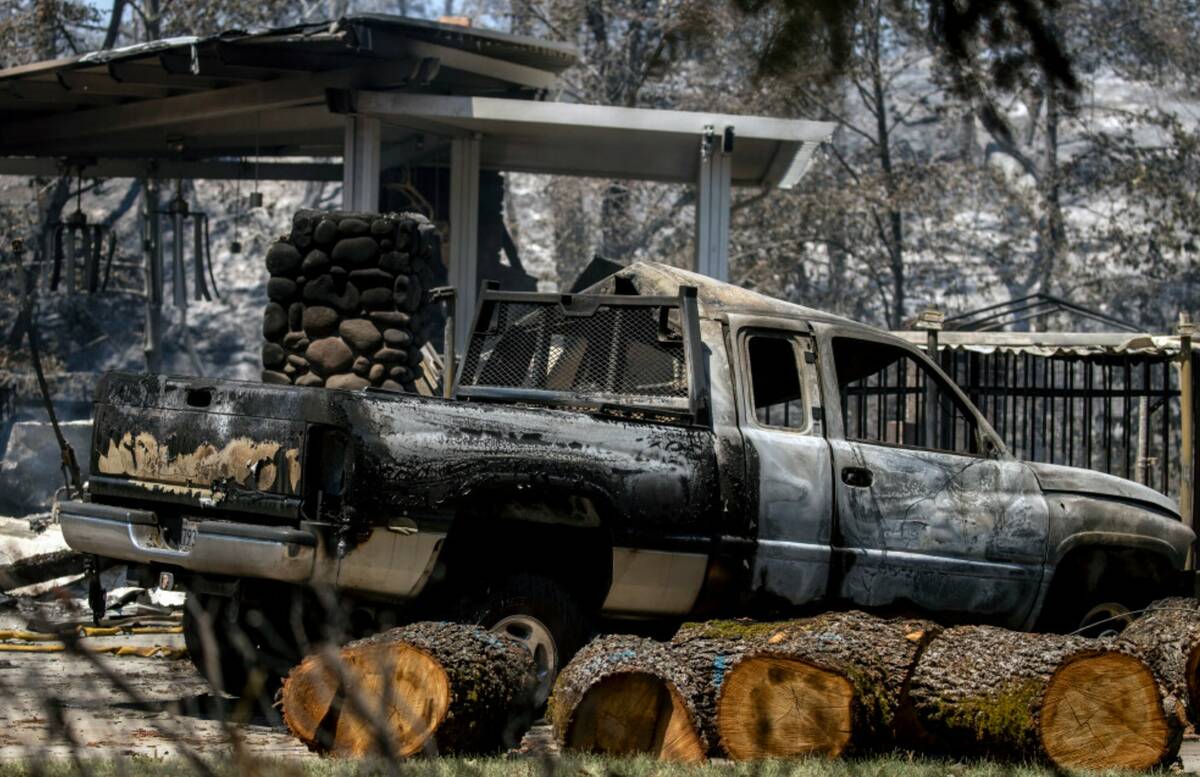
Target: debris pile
{"points": [[347, 294]]}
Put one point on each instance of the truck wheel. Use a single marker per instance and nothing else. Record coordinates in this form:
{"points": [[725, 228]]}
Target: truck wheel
{"points": [[213, 626], [208, 623], [1106, 619], [1104, 611], [539, 613]]}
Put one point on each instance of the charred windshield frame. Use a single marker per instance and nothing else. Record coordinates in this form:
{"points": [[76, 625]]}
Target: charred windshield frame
{"points": [[677, 324]]}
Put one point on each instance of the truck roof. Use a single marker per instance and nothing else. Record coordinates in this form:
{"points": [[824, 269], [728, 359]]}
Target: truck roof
{"points": [[715, 297]]}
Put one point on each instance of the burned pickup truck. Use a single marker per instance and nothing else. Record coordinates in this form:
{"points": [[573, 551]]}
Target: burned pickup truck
{"points": [[664, 446]]}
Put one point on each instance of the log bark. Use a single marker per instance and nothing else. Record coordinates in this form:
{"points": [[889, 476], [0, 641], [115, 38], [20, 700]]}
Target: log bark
{"points": [[1168, 636], [1073, 702], [438, 687], [819, 686], [40, 568], [626, 695], [707, 651]]}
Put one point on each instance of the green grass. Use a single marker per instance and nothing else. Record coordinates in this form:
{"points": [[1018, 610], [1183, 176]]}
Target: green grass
{"points": [[573, 766]]}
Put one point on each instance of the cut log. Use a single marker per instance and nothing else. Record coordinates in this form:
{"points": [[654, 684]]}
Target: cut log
{"points": [[1074, 702], [707, 651], [624, 695], [39, 568], [1168, 636], [819, 686], [440, 687]]}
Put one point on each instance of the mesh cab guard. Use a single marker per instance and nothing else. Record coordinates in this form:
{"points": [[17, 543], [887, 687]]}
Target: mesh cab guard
{"points": [[626, 352]]}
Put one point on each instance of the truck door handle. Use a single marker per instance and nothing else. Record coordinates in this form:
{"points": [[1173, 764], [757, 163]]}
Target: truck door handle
{"points": [[857, 477]]}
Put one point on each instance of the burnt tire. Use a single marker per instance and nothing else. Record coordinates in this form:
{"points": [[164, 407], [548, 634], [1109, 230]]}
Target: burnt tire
{"points": [[541, 614], [1094, 608], [234, 657], [208, 622]]}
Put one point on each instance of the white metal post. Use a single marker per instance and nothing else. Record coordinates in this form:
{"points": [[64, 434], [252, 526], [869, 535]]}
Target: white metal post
{"points": [[464, 232], [361, 164], [713, 187]]}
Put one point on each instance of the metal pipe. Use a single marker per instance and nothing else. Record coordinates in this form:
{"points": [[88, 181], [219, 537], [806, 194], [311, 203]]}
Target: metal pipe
{"points": [[449, 296], [199, 287], [1186, 329], [180, 279], [72, 258], [152, 246], [1143, 441], [449, 340]]}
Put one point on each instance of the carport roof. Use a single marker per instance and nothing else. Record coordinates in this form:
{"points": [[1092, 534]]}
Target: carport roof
{"points": [[603, 141], [194, 106], [239, 93]]}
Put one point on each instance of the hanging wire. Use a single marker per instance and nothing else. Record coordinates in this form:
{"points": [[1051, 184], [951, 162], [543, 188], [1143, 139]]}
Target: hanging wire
{"points": [[1130, 614], [256, 198], [235, 246]]}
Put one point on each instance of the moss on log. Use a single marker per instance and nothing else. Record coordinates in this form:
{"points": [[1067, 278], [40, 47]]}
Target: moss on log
{"points": [[441, 687], [984, 690], [819, 686], [625, 695], [706, 652]]}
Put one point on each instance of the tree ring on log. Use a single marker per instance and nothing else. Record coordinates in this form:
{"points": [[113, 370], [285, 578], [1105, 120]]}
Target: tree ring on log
{"points": [[635, 712], [778, 707], [394, 672], [1103, 711]]}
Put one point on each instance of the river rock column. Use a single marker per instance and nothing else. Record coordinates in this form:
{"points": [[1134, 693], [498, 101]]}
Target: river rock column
{"points": [[347, 295]]}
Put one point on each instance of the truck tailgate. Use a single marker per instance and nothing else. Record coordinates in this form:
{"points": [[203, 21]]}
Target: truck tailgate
{"points": [[188, 442]]}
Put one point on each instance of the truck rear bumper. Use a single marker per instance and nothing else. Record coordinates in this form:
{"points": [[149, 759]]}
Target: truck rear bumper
{"points": [[215, 547]]}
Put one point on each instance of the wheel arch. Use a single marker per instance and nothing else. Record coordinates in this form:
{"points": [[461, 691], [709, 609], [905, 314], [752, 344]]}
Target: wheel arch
{"points": [[1087, 572], [566, 535]]}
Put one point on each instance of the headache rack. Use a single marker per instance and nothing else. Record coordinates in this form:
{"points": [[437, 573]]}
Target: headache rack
{"points": [[629, 354]]}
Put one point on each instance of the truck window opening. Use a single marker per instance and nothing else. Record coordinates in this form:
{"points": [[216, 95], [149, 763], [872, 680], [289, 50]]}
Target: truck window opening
{"points": [[775, 380], [890, 397]]}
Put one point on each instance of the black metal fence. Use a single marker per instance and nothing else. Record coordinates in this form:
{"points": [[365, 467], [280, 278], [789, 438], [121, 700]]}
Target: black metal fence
{"points": [[1115, 413]]}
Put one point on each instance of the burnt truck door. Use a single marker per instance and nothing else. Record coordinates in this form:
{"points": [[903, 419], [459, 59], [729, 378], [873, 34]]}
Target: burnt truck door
{"points": [[787, 456], [930, 509]]}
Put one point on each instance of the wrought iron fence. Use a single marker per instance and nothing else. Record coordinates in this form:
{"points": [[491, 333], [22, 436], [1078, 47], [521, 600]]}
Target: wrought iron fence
{"points": [[1116, 413]]}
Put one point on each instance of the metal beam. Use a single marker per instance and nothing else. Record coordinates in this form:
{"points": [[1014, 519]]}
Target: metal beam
{"points": [[48, 167], [603, 141], [361, 164], [713, 199], [464, 233], [535, 115], [181, 109]]}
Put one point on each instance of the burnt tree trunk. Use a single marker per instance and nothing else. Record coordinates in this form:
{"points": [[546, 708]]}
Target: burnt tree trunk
{"points": [[820, 685], [984, 690], [441, 687], [1168, 636], [624, 695]]}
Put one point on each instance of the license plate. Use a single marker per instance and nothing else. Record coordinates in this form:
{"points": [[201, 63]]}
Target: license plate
{"points": [[187, 535]]}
